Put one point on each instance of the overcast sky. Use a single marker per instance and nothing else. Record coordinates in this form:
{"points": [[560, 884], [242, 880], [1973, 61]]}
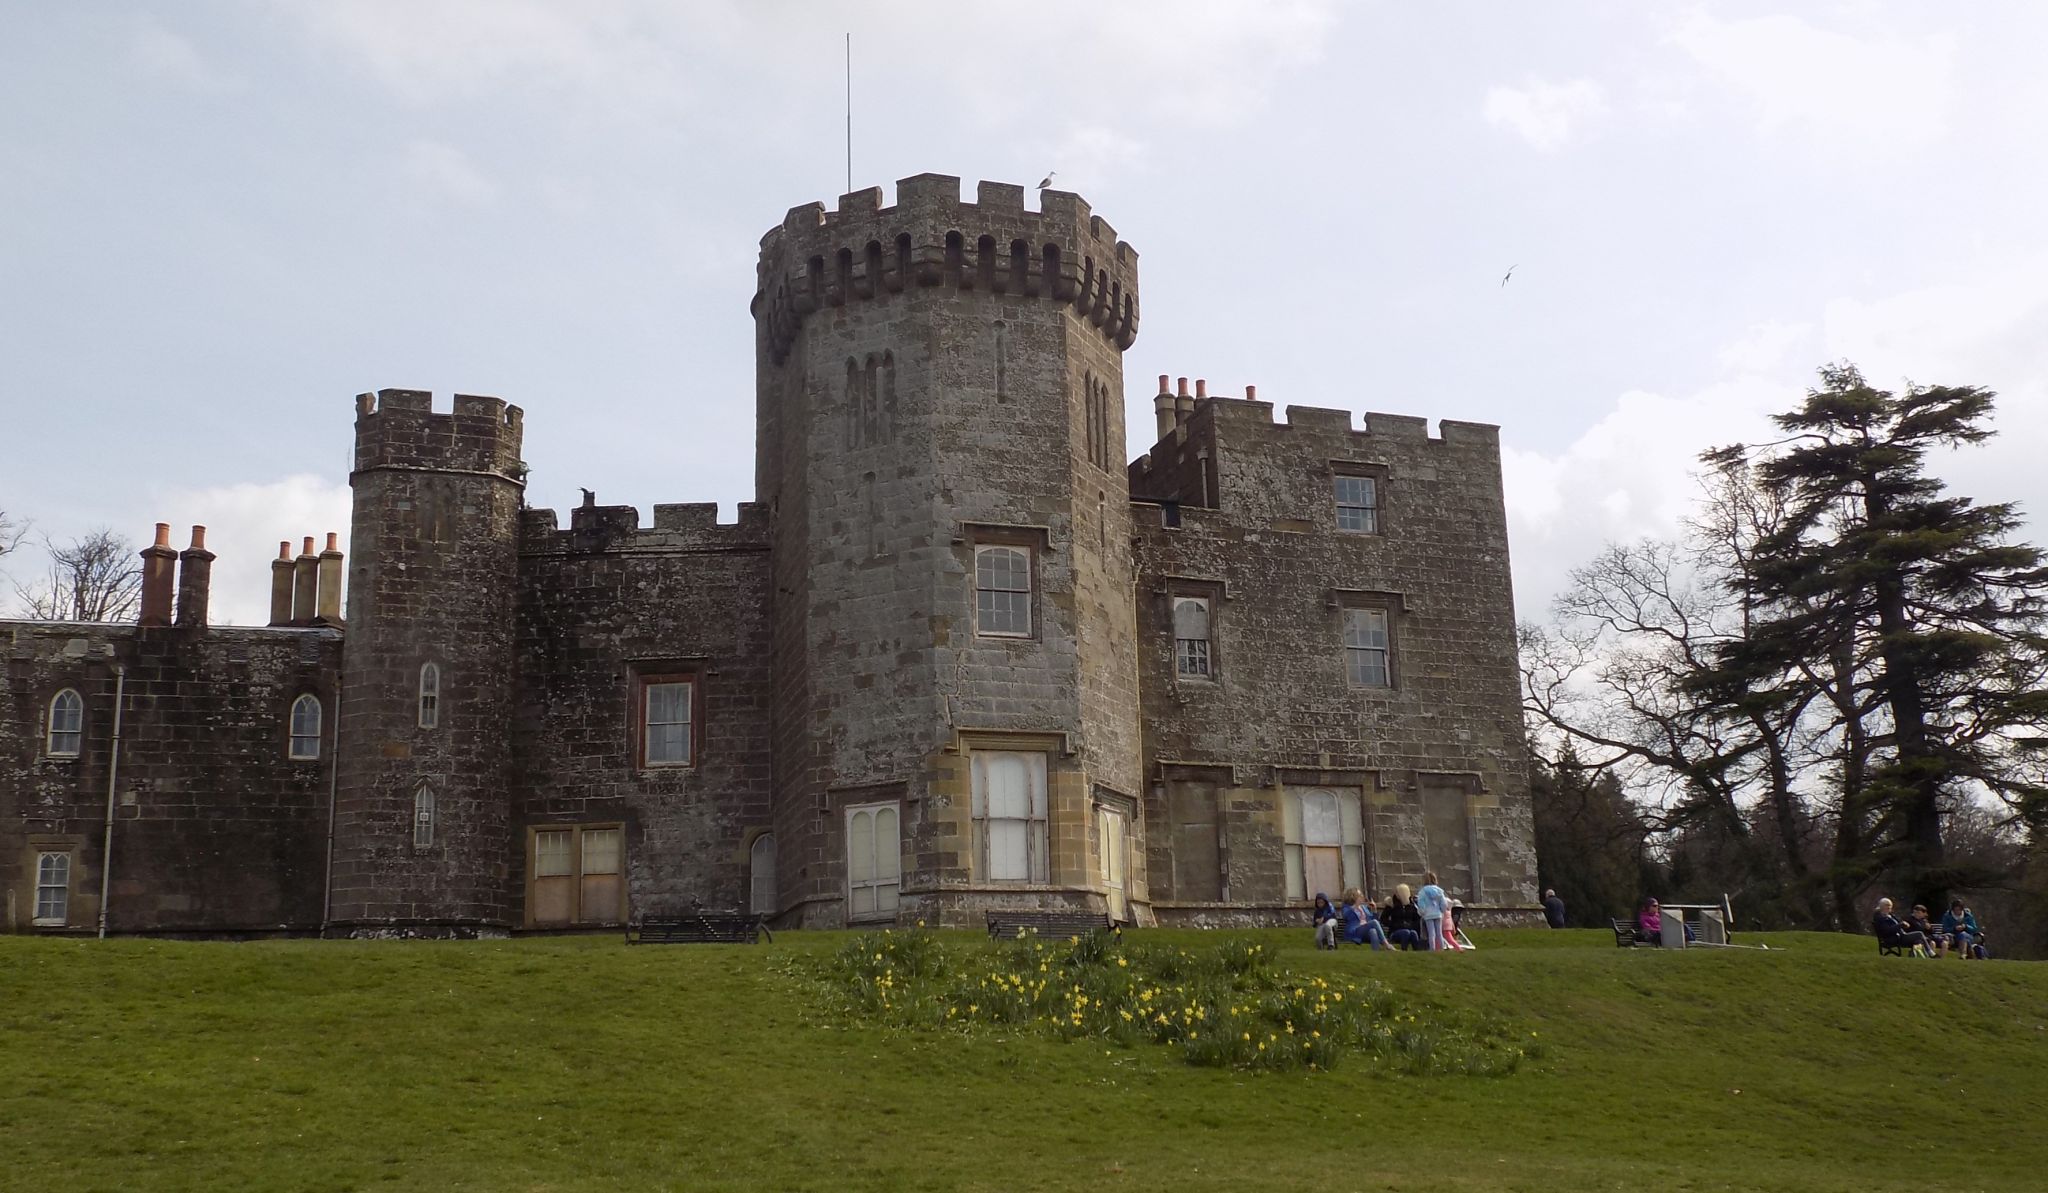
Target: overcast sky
{"points": [[219, 220]]}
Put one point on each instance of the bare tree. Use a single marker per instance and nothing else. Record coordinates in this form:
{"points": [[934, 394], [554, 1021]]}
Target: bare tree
{"points": [[11, 532], [94, 578]]}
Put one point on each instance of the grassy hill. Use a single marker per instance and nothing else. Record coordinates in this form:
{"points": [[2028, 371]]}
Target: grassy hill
{"points": [[578, 1063]]}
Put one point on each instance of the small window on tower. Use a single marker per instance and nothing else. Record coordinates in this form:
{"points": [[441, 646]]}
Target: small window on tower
{"points": [[1002, 591], [430, 695], [67, 725], [305, 744], [423, 813], [1191, 637], [668, 720], [1358, 504]]}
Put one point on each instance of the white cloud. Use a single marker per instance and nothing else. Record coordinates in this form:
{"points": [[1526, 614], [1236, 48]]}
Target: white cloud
{"points": [[1546, 115], [449, 172], [1881, 90], [244, 523], [1764, 347], [169, 56]]}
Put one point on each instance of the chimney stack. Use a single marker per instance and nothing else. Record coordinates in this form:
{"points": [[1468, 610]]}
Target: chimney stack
{"points": [[195, 581], [1162, 408], [159, 564], [330, 581], [1183, 405], [281, 585], [1251, 393], [1201, 387], [305, 585]]}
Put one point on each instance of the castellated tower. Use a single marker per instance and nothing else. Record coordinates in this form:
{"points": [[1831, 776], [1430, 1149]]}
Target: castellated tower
{"points": [[941, 441], [422, 832]]}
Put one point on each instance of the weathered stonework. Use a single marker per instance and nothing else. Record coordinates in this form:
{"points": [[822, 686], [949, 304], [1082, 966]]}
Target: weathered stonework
{"points": [[841, 707]]}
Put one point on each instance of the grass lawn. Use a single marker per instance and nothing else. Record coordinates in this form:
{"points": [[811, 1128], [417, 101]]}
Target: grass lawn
{"points": [[578, 1063]]}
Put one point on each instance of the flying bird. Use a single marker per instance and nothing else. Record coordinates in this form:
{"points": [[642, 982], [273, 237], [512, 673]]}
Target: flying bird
{"points": [[1047, 180], [1510, 273]]}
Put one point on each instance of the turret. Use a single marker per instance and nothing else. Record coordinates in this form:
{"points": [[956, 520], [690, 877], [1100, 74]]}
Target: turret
{"points": [[941, 439], [422, 811]]}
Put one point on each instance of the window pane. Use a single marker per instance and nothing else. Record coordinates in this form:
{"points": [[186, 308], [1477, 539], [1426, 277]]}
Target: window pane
{"points": [[1003, 612], [1009, 792], [888, 850], [1009, 858], [860, 847], [1004, 568], [53, 888], [1365, 628], [1192, 655], [885, 899], [668, 744], [601, 851], [1190, 618], [67, 723], [551, 853], [863, 900], [1320, 822]]}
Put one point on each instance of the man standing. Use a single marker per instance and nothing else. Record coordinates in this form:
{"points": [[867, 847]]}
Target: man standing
{"points": [[1553, 909]]}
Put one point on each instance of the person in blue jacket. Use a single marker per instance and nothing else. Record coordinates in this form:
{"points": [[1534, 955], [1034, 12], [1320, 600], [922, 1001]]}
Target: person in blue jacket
{"points": [[1325, 919], [1361, 926], [1434, 905], [1959, 924]]}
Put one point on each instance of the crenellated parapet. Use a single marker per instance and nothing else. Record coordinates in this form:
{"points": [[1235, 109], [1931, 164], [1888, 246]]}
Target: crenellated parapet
{"points": [[680, 528], [400, 429], [863, 252]]}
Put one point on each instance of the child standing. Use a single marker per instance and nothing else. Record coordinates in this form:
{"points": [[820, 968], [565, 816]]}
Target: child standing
{"points": [[1434, 906]]}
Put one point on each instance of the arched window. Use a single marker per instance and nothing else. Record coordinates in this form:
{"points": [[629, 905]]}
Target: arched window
{"points": [[306, 728], [423, 816], [67, 724], [430, 695], [874, 862], [761, 874]]}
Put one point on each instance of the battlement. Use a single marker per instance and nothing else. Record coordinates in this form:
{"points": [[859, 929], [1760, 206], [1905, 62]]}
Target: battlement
{"points": [[399, 428], [863, 251], [678, 527]]}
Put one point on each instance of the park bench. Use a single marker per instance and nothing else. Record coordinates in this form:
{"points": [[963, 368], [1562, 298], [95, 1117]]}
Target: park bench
{"points": [[1005, 925], [699, 927], [1625, 935]]}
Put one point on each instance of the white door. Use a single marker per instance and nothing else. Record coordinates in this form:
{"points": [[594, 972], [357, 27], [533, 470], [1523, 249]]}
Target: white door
{"points": [[1109, 829]]}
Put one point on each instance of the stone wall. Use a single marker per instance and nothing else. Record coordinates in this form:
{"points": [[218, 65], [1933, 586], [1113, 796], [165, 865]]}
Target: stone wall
{"points": [[217, 830], [602, 604]]}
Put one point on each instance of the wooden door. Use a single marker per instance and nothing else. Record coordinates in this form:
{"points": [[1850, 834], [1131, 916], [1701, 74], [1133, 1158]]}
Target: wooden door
{"points": [[1110, 832]]}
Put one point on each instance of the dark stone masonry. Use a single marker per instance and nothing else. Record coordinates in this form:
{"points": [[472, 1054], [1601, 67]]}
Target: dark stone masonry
{"points": [[957, 655]]}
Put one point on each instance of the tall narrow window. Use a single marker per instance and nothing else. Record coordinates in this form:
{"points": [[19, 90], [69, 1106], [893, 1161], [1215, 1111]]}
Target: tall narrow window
{"points": [[668, 720], [761, 875], [602, 882], [67, 725], [430, 695], [874, 862], [1358, 504], [1009, 815], [1191, 637], [423, 813], [1002, 592], [1367, 652], [1324, 836], [305, 728], [53, 889]]}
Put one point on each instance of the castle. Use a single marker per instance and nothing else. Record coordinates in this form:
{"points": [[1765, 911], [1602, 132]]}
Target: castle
{"points": [[958, 655]]}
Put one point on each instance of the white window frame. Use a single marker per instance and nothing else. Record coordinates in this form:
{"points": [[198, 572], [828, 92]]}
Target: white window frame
{"points": [[73, 717], [1193, 657], [426, 814], [1361, 513], [53, 888], [1350, 837], [880, 875], [1034, 825], [761, 875], [297, 747], [985, 582], [1361, 651], [647, 684], [430, 696]]}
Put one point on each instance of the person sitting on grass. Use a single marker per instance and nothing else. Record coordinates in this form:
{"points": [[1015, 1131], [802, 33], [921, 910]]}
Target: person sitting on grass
{"points": [[1324, 917], [1401, 920], [1892, 934], [1919, 922], [1361, 926], [1650, 923], [1960, 923]]}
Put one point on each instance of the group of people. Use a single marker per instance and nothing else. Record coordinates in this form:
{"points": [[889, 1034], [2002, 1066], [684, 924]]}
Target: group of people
{"points": [[1958, 933], [1426, 919]]}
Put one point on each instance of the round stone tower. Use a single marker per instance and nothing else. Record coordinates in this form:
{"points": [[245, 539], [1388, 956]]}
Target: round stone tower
{"points": [[941, 442], [422, 832]]}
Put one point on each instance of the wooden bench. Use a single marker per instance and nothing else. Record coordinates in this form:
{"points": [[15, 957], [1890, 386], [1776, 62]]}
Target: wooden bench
{"points": [[1890, 950], [1625, 935], [699, 927], [1055, 925]]}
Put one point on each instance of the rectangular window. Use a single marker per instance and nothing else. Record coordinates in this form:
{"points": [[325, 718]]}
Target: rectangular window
{"points": [[1191, 655], [1002, 591], [576, 876], [1368, 652], [668, 716], [1009, 816], [53, 889], [874, 862], [1324, 835], [1358, 504]]}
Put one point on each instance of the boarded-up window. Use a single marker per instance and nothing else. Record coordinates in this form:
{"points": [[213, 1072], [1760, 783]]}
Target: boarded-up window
{"points": [[577, 876], [1447, 832], [1009, 815], [1192, 827], [761, 875], [874, 862], [1324, 835]]}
